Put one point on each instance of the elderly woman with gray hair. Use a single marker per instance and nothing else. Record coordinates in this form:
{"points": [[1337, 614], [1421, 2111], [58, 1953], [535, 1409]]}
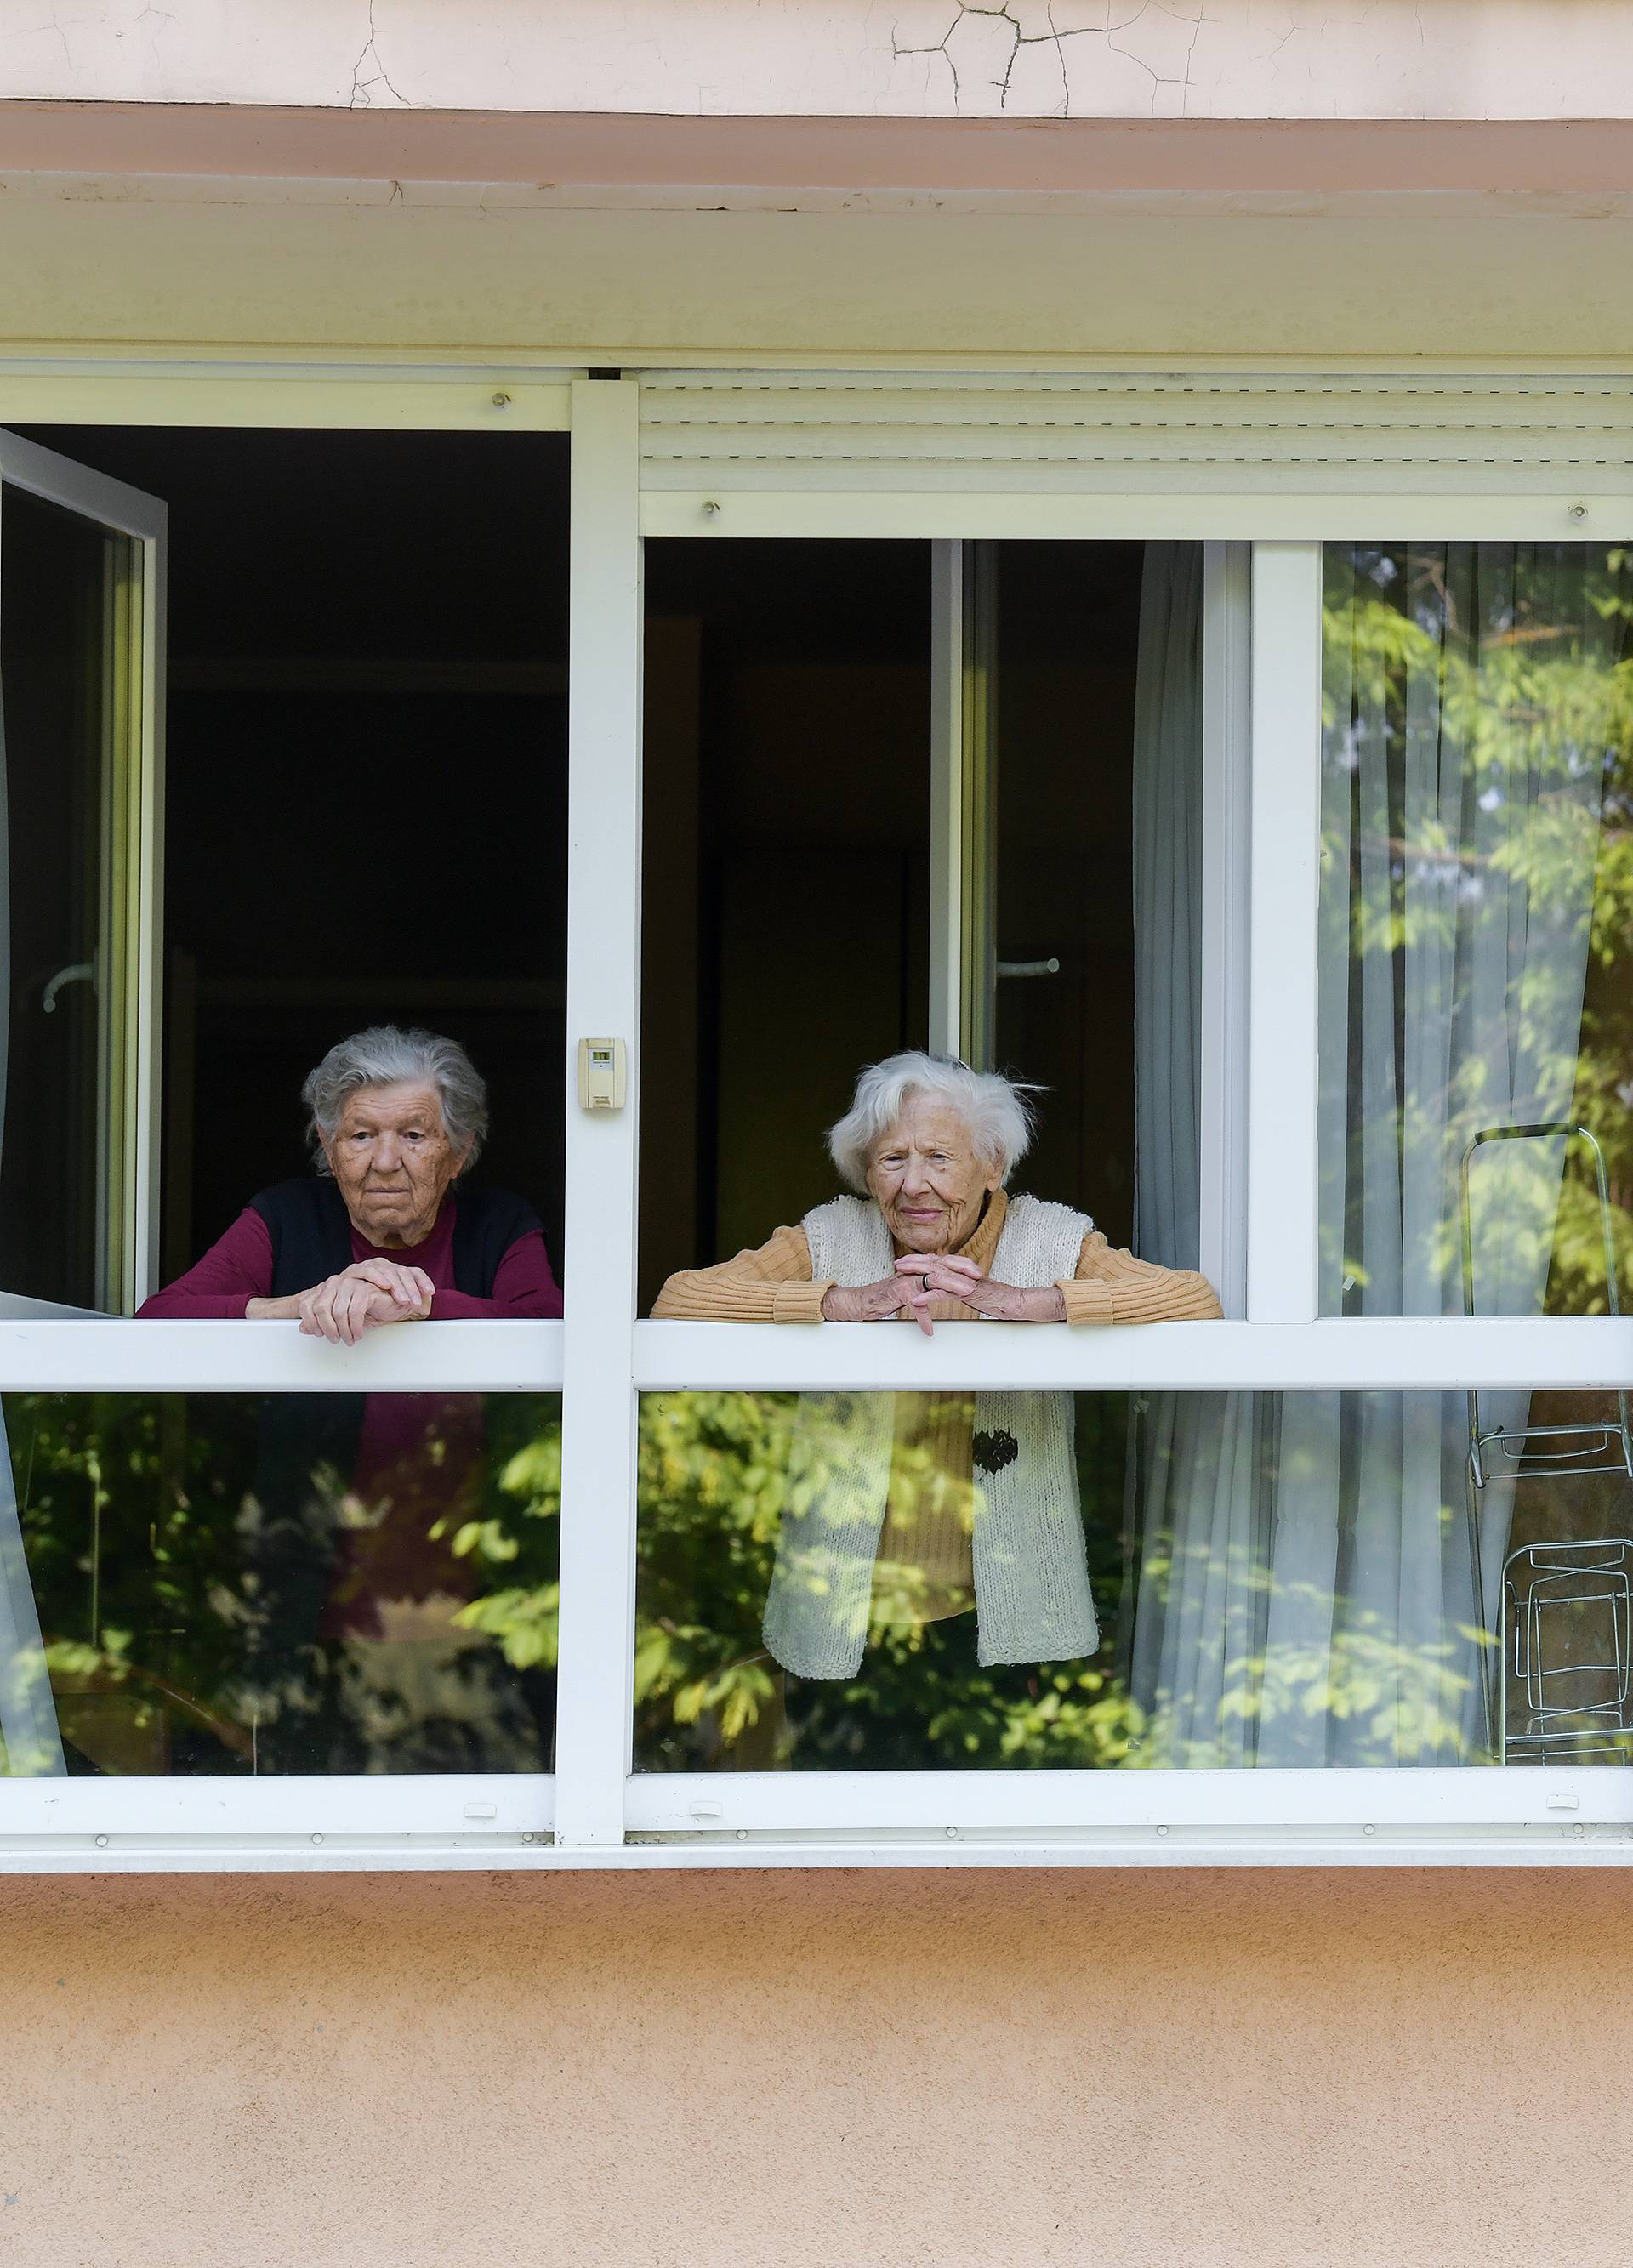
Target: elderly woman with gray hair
{"points": [[385, 1231], [353, 1657], [884, 1521]]}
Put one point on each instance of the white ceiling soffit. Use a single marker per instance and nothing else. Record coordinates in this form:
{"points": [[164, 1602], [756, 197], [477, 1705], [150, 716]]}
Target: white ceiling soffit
{"points": [[731, 430]]}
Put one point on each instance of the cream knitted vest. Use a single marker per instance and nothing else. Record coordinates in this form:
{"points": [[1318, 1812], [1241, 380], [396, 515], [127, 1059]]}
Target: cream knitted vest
{"points": [[1032, 1598]]}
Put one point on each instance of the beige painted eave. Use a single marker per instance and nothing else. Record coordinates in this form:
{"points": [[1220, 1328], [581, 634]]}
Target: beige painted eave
{"points": [[813, 163], [149, 229]]}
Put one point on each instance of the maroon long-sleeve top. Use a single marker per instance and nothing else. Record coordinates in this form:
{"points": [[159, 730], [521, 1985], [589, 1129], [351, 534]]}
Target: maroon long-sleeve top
{"points": [[237, 1268]]}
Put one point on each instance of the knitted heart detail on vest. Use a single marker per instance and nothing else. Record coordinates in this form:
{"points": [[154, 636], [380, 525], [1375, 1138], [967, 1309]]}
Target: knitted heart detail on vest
{"points": [[995, 1450]]}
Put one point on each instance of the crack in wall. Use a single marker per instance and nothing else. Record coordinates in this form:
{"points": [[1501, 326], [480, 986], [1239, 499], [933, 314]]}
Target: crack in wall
{"points": [[1054, 37], [51, 28], [361, 98]]}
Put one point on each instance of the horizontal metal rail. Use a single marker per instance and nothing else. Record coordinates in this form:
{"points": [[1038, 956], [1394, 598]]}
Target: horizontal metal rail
{"points": [[105, 1355], [1431, 1355]]}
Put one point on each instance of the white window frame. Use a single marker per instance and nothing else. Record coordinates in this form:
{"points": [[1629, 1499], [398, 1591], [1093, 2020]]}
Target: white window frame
{"points": [[282, 1821], [600, 1813], [1262, 785], [132, 847]]}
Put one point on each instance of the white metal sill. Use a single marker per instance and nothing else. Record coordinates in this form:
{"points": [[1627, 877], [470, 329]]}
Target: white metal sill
{"points": [[230, 1810], [109, 1355], [1340, 1354], [1529, 1816], [1478, 1798], [1353, 1844]]}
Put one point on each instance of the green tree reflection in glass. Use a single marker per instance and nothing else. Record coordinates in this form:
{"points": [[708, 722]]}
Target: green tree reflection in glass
{"points": [[217, 1593]]}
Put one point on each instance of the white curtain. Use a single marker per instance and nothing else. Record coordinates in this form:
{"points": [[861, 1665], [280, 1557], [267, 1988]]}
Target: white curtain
{"points": [[28, 1728], [32, 1744], [1305, 1593], [1168, 905], [1199, 1498]]}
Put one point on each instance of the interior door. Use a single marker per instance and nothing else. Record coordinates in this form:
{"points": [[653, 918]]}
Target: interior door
{"points": [[81, 711], [1088, 912], [1041, 645]]}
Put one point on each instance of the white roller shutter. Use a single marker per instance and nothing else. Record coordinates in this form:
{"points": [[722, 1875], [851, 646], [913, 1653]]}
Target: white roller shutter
{"points": [[723, 432]]}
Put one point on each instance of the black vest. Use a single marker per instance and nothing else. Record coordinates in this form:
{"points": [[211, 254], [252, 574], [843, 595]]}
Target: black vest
{"points": [[311, 1233], [308, 1449]]}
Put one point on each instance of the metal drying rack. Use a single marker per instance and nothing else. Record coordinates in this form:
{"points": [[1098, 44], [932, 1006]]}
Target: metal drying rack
{"points": [[1577, 1688], [1538, 1580]]}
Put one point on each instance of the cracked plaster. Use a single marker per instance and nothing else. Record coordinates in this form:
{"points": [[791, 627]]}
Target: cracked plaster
{"points": [[1030, 59], [370, 81], [1402, 59]]}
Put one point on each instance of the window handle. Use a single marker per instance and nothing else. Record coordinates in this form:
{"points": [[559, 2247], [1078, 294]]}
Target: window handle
{"points": [[1028, 968], [77, 972]]}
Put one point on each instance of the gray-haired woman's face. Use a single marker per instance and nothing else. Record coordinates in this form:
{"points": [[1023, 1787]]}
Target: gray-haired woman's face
{"points": [[393, 1161], [926, 1179]]}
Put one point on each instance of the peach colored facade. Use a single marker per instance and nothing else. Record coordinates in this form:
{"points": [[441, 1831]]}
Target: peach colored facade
{"points": [[868, 2071], [1224, 2069]]}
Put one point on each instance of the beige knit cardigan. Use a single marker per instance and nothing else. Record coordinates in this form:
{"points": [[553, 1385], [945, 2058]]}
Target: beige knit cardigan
{"points": [[773, 1283], [1029, 1575]]}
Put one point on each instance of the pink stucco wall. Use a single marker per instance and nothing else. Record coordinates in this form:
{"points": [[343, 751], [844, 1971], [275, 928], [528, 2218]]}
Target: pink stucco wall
{"points": [[840, 2069]]}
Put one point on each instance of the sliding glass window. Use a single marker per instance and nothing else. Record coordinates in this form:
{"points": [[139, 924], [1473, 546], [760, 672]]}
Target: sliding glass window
{"points": [[1477, 927], [284, 768], [1015, 1581], [234, 1585]]}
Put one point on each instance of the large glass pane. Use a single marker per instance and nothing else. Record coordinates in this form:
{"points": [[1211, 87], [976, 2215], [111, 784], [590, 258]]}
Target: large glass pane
{"points": [[240, 1584], [1085, 932], [874, 1582], [786, 847], [787, 936], [366, 742], [66, 631], [1477, 911]]}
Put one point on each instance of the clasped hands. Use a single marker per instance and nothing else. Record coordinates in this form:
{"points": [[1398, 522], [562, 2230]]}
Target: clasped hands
{"points": [[360, 1298], [363, 1297], [920, 1277]]}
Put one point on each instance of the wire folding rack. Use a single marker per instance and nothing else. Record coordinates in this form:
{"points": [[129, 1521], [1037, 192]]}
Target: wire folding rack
{"points": [[1553, 1593], [1566, 1643]]}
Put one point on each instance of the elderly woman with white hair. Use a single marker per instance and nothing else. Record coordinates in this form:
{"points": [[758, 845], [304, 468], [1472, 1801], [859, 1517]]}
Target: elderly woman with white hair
{"points": [[386, 1229], [931, 1235], [884, 1522]]}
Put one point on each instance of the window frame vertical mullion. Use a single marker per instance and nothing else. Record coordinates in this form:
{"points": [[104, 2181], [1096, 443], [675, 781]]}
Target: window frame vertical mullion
{"points": [[1222, 1008], [1283, 926], [946, 795], [153, 552], [595, 1667]]}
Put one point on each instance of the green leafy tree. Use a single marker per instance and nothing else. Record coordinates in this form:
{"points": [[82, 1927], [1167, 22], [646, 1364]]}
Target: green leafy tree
{"points": [[1511, 676]]}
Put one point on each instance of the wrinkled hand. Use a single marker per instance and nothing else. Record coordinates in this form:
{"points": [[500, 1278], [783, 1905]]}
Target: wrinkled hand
{"points": [[363, 1297], [866, 1303], [947, 1276]]}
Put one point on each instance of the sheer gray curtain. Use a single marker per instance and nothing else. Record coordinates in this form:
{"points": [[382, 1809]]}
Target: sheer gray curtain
{"points": [[1304, 1592], [1168, 905], [1468, 696], [1199, 1504]]}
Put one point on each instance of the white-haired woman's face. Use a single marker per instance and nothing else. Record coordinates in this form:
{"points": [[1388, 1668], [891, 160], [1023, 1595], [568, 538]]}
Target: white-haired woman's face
{"points": [[926, 1179], [393, 1161]]}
